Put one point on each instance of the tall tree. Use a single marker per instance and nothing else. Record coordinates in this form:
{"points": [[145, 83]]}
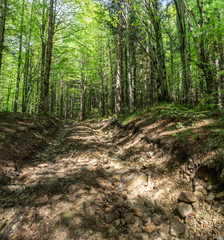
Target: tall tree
{"points": [[19, 57], [48, 57], [2, 28], [118, 72]]}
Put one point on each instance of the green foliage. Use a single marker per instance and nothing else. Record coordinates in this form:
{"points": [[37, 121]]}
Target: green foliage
{"points": [[208, 102], [177, 111]]}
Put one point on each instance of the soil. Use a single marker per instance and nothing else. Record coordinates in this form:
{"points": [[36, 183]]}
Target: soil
{"points": [[102, 181]]}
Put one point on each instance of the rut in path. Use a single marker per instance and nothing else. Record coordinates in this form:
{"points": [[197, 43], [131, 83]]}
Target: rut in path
{"points": [[94, 182]]}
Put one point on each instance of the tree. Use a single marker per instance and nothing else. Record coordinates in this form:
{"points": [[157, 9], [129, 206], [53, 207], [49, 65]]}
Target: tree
{"points": [[2, 28], [48, 57]]}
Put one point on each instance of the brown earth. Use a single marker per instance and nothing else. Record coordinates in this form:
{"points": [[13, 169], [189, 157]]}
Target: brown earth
{"points": [[99, 181]]}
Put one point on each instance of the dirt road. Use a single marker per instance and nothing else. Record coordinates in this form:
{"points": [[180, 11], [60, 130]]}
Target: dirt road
{"points": [[95, 181]]}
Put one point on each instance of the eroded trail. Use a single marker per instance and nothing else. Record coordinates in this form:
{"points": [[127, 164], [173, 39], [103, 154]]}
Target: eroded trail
{"points": [[99, 182]]}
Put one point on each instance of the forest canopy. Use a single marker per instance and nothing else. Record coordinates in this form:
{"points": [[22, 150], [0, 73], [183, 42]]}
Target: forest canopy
{"points": [[80, 58]]}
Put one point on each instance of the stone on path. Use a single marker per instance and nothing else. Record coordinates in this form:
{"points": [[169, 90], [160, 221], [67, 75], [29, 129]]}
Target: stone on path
{"points": [[210, 197], [188, 197], [177, 227], [67, 217], [164, 232], [110, 217], [129, 218], [219, 238], [184, 209], [149, 229], [134, 180]]}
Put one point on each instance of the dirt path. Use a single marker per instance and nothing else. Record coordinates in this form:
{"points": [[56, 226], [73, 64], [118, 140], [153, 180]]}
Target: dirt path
{"points": [[99, 182]]}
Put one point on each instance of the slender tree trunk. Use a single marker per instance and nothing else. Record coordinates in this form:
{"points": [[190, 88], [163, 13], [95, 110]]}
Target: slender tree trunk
{"points": [[141, 84], [112, 78], [19, 60], [181, 27], [162, 90], [62, 97], [27, 70], [102, 81], [133, 76], [221, 69], [126, 75], [48, 57], [2, 28], [118, 73], [43, 56], [83, 98]]}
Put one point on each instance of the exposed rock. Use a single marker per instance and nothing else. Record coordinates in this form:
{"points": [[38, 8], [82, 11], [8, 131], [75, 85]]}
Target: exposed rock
{"points": [[188, 197], [90, 210], [110, 217], [123, 222], [206, 216], [184, 209], [129, 218], [164, 232], [149, 229], [80, 231], [198, 193], [124, 194], [116, 183], [132, 228], [134, 180], [177, 227], [195, 205], [42, 200], [143, 236], [219, 238], [138, 212], [117, 177], [210, 198], [157, 219], [117, 222], [146, 219], [67, 217], [109, 209], [121, 238]]}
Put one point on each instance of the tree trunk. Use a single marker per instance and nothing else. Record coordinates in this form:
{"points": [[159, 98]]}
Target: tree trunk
{"points": [[141, 84], [2, 28], [43, 56], [181, 27], [62, 97], [112, 78], [162, 89], [118, 73], [48, 57], [19, 59], [83, 97]]}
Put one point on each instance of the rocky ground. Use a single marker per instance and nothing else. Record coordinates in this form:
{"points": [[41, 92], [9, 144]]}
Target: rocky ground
{"points": [[99, 181]]}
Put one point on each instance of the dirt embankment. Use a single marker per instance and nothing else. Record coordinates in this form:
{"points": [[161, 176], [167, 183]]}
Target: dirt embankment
{"points": [[195, 150], [20, 136]]}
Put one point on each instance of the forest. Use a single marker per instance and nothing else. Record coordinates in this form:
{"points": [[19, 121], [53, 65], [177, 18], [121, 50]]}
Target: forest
{"points": [[111, 119], [82, 58]]}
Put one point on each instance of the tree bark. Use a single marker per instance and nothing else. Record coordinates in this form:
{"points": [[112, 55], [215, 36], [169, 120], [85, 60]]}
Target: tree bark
{"points": [[181, 27], [43, 56], [48, 57], [3, 5], [118, 73], [19, 59]]}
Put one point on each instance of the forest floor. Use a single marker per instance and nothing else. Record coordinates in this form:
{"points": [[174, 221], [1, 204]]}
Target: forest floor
{"points": [[105, 180]]}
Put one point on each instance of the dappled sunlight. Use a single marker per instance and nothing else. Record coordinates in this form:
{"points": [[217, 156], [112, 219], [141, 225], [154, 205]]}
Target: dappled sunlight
{"points": [[112, 186]]}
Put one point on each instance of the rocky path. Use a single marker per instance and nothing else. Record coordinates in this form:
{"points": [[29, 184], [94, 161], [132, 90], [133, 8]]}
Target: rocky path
{"points": [[98, 182]]}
